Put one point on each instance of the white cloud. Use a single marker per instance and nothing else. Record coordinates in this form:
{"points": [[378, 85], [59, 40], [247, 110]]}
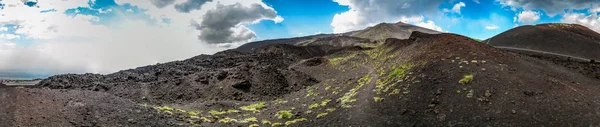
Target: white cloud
{"points": [[595, 9], [456, 8], [72, 44], [528, 17], [551, 7], [476, 1], [3, 28], [591, 21], [364, 13], [6, 46], [9, 36], [491, 27], [420, 21]]}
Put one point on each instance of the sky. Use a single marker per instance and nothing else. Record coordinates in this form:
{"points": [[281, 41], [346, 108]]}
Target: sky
{"points": [[46, 37]]}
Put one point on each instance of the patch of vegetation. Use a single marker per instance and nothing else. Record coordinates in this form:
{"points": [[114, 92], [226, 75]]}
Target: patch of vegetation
{"points": [[215, 112], [254, 125], [287, 123], [165, 108], [311, 93], [227, 120], [180, 110], [470, 94], [324, 102], [193, 113], [394, 92], [466, 79], [266, 122], [377, 99], [249, 120], [279, 101], [323, 114], [349, 96], [206, 120], [340, 59], [284, 114], [330, 109], [254, 107], [478, 40], [313, 106], [308, 112], [233, 111], [394, 77], [277, 124]]}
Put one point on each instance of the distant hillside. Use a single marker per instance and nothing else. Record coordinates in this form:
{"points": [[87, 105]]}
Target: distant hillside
{"points": [[566, 39], [383, 31], [378, 32]]}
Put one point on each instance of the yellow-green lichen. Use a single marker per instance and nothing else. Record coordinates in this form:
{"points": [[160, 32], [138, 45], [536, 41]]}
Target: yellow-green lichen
{"points": [[254, 107], [215, 112], [377, 99], [466, 79], [287, 123], [349, 96], [323, 114], [266, 122], [284, 114]]}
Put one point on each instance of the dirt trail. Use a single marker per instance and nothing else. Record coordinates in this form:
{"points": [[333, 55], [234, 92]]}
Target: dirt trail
{"points": [[365, 96]]}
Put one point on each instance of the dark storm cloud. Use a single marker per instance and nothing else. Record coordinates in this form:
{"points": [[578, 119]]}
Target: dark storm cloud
{"points": [[190, 5], [162, 3], [218, 25]]}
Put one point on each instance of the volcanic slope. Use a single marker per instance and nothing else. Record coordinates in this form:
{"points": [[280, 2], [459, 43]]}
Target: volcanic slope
{"points": [[425, 80], [383, 31], [367, 37], [564, 39]]}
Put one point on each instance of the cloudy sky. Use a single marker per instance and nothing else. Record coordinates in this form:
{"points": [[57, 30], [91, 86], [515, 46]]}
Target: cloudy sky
{"points": [[104, 36]]}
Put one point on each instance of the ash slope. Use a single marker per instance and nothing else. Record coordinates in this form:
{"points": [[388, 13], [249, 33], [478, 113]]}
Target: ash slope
{"points": [[425, 80], [566, 39]]}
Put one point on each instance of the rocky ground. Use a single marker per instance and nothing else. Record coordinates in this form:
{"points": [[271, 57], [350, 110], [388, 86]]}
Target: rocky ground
{"points": [[424, 80]]}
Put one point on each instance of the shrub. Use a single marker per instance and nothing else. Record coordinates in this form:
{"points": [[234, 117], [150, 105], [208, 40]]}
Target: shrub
{"points": [[294, 121], [165, 108], [277, 124], [284, 114], [466, 79], [232, 111], [313, 106], [250, 119], [377, 99], [330, 109], [266, 122], [254, 107], [324, 102], [322, 114], [215, 112], [227, 120]]}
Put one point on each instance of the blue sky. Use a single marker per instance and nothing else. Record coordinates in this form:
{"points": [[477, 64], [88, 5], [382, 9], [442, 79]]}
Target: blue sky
{"points": [[308, 17], [104, 36]]}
